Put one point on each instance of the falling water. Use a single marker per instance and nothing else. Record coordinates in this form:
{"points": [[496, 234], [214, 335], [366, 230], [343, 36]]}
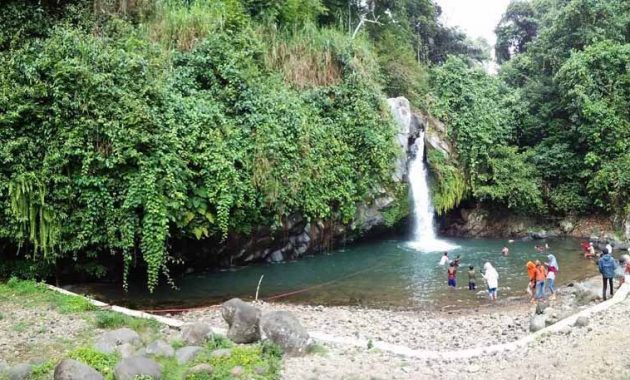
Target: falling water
{"points": [[423, 238]]}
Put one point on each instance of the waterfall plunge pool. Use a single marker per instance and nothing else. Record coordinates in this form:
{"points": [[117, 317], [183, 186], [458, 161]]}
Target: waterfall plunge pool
{"points": [[386, 274]]}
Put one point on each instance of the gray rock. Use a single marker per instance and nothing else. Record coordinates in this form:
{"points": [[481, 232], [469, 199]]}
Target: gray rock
{"points": [[201, 369], [582, 321], [3, 367], [129, 368], [282, 328], [70, 369], [160, 348], [538, 322], [19, 372], [108, 341], [540, 307], [221, 353], [237, 371], [243, 320], [186, 354], [276, 256], [126, 350], [196, 333], [566, 226]]}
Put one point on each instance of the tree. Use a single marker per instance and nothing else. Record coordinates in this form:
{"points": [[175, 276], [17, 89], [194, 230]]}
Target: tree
{"points": [[518, 27]]}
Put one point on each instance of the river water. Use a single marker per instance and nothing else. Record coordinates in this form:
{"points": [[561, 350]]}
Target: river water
{"points": [[383, 274]]}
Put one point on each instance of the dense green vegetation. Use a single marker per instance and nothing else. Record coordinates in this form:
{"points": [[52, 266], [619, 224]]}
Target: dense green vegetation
{"points": [[128, 125]]}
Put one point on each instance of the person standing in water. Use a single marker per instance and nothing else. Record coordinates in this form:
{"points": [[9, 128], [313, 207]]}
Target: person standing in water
{"points": [[552, 272], [492, 279], [445, 260], [472, 278], [505, 251], [451, 273]]}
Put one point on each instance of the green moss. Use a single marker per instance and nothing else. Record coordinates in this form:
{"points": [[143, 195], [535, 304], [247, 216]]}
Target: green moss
{"points": [[400, 208], [448, 185], [103, 363]]}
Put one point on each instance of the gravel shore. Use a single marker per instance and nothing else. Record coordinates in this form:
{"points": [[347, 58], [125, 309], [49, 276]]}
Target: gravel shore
{"points": [[457, 329]]}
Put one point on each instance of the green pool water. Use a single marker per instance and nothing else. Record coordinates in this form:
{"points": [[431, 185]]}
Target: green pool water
{"points": [[379, 274]]}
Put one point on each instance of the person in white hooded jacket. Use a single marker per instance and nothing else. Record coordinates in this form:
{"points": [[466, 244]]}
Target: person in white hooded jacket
{"points": [[492, 279]]}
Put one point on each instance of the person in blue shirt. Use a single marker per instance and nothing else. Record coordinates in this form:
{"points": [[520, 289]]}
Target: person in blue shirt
{"points": [[607, 266]]}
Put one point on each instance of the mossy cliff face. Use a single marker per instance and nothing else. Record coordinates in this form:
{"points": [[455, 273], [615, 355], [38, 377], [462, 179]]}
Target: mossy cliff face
{"points": [[298, 235]]}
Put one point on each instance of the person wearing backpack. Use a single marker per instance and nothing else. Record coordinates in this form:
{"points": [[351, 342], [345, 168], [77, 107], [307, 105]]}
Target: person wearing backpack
{"points": [[607, 266]]}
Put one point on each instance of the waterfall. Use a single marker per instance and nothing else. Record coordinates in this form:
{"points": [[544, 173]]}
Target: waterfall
{"points": [[424, 238]]}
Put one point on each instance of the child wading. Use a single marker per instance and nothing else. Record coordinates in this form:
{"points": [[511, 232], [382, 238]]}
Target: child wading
{"points": [[452, 275], [472, 278]]}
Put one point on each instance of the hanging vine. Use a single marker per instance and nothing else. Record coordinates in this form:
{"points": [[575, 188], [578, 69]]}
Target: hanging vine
{"points": [[38, 222]]}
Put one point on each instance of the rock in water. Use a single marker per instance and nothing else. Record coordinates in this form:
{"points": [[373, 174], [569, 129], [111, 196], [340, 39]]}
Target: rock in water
{"points": [[537, 322], [196, 333], [282, 328], [582, 321], [243, 320], [160, 348], [138, 366], [70, 369], [186, 354]]}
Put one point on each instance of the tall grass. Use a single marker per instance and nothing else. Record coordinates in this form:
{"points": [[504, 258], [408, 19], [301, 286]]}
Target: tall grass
{"points": [[180, 25], [310, 56]]}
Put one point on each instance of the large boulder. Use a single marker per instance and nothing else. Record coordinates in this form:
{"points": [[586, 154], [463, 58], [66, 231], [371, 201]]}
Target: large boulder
{"points": [[243, 320], [137, 366], [19, 372], [282, 328], [186, 354], [160, 348], [196, 333], [70, 369], [108, 342]]}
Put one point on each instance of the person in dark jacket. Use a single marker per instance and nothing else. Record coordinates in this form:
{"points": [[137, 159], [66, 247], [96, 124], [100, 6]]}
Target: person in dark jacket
{"points": [[607, 266]]}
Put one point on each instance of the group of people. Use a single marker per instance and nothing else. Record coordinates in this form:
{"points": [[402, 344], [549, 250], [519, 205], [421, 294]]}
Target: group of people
{"points": [[542, 275], [490, 275]]}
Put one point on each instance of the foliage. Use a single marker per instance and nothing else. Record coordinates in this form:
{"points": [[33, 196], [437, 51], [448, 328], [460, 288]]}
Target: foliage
{"points": [[104, 319], [399, 210], [448, 185], [103, 363], [571, 101], [517, 28], [264, 356]]}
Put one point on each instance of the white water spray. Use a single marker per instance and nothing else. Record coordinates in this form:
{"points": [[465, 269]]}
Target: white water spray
{"points": [[423, 238]]}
